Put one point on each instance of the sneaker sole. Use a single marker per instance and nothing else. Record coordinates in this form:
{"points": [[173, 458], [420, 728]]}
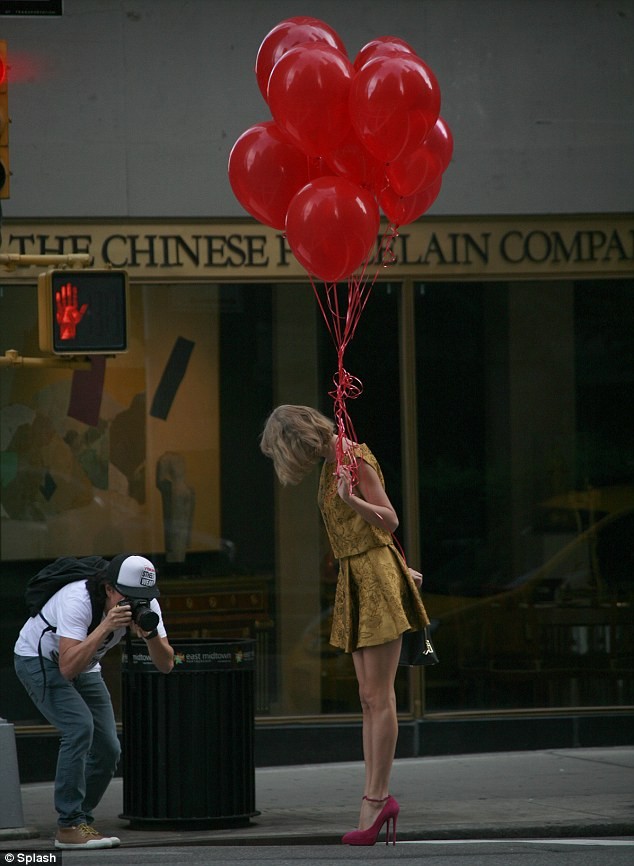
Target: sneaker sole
{"points": [[94, 843]]}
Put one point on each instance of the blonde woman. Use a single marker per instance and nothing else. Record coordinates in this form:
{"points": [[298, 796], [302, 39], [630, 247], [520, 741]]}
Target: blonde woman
{"points": [[377, 596]]}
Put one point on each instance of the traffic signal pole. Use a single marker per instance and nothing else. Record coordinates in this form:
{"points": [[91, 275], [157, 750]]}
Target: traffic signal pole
{"points": [[11, 261], [12, 358]]}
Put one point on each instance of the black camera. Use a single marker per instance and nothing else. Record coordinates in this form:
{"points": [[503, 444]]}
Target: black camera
{"points": [[142, 613]]}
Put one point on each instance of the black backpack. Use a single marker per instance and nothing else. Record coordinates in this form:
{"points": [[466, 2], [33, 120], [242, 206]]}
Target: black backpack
{"points": [[48, 581], [65, 569]]}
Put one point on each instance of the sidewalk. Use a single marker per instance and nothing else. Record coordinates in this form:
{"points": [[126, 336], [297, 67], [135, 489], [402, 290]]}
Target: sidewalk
{"points": [[556, 793]]}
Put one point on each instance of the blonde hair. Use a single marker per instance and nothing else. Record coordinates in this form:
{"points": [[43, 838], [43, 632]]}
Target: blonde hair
{"points": [[294, 437]]}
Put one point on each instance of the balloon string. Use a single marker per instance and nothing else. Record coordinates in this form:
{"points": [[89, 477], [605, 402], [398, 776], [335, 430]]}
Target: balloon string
{"points": [[342, 321], [388, 256], [347, 387]]}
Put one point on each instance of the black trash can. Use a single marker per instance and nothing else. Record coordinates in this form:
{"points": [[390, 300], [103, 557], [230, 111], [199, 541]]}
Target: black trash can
{"points": [[188, 736]]}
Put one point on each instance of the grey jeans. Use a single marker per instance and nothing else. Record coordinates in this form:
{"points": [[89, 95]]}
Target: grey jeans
{"points": [[81, 709]]}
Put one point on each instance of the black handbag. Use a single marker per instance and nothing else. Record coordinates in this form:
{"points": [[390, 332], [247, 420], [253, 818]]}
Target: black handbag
{"points": [[417, 649]]}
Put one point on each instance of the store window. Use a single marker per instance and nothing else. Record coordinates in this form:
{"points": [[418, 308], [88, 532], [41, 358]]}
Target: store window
{"points": [[527, 488], [310, 676], [166, 462], [123, 455], [524, 407]]}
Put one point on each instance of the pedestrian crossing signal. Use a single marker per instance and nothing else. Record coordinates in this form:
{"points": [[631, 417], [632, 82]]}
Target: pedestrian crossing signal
{"points": [[83, 312]]}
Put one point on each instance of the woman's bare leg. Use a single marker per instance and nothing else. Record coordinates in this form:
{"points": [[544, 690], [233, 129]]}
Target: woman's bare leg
{"points": [[376, 670]]}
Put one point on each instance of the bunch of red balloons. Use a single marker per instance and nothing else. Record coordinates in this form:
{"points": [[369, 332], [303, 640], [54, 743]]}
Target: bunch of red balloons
{"points": [[347, 141]]}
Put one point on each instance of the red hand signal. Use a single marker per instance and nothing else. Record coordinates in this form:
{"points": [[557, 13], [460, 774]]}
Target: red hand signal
{"points": [[68, 313]]}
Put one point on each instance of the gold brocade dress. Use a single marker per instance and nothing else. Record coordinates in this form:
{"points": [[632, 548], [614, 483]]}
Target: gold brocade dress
{"points": [[376, 599]]}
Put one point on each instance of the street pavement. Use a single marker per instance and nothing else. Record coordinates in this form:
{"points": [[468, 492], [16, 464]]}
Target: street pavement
{"points": [[502, 852], [556, 794]]}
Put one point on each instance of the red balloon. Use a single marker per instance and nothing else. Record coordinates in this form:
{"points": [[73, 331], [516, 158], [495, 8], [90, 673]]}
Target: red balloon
{"points": [[318, 167], [308, 97], [394, 103], [352, 160], [331, 227], [417, 169], [265, 172], [402, 210], [440, 142], [414, 171], [286, 35], [384, 46]]}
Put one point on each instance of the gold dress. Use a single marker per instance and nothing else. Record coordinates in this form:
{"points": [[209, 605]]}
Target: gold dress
{"points": [[376, 599]]}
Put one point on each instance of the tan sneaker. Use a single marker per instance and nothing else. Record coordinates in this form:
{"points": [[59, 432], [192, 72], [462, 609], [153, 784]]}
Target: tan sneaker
{"points": [[81, 836]]}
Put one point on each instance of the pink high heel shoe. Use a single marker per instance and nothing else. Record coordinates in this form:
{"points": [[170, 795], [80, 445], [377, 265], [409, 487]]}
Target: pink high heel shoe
{"points": [[388, 813]]}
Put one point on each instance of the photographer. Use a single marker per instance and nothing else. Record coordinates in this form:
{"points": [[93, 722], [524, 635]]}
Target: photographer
{"points": [[57, 658]]}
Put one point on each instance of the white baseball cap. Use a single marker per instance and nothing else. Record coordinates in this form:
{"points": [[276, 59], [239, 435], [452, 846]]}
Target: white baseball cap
{"points": [[134, 576]]}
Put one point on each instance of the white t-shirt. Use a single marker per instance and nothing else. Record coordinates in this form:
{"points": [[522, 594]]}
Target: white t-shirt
{"points": [[71, 612]]}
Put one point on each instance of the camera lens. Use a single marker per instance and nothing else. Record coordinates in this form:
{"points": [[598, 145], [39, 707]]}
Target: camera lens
{"points": [[146, 619], [142, 614]]}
